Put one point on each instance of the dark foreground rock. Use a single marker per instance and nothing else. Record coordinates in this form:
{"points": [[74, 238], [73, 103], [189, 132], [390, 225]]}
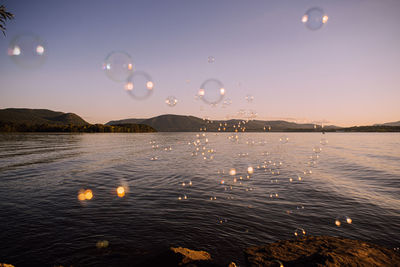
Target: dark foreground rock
{"points": [[321, 251]]}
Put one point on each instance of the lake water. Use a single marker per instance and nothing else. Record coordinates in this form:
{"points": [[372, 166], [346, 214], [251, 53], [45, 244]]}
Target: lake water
{"points": [[43, 223]]}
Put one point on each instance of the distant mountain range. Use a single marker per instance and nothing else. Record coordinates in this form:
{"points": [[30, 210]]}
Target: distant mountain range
{"points": [[180, 123], [396, 123], [41, 120]]}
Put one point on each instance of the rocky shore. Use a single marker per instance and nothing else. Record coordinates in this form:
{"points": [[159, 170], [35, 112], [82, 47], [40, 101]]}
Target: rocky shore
{"points": [[321, 251], [307, 251]]}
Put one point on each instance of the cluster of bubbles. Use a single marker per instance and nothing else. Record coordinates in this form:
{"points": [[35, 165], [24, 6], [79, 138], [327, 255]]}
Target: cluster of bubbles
{"points": [[29, 51], [158, 149]]}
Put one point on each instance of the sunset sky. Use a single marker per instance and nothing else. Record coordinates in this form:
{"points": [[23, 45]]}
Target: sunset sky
{"points": [[346, 73]]}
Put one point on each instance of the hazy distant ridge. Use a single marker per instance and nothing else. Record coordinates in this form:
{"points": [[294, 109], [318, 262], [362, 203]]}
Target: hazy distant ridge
{"points": [[396, 123], [180, 123]]}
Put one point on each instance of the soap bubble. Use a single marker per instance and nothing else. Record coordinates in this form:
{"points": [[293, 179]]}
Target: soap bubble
{"points": [[343, 219], [222, 220], [317, 149], [211, 59], [27, 51], [323, 142], [211, 91], [273, 195], [314, 18], [226, 102], [250, 170], [276, 263], [283, 139], [121, 191], [102, 244], [249, 98], [139, 85], [171, 101], [300, 232], [85, 194], [118, 66]]}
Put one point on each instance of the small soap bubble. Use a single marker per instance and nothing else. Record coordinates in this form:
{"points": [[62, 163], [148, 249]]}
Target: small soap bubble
{"points": [[323, 142], [300, 232], [212, 91], [227, 102], [276, 263], [222, 220], [273, 195], [139, 85], [184, 197], [249, 98], [343, 219], [27, 51], [317, 149], [85, 194], [314, 157], [171, 101], [118, 66], [314, 18], [283, 139], [102, 244], [211, 59], [121, 191], [250, 170]]}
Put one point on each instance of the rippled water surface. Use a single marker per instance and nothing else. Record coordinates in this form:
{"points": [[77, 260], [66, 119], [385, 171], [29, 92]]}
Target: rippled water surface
{"points": [[42, 222]]}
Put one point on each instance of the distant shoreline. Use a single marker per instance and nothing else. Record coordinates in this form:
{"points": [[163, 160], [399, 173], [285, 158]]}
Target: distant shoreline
{"points": [[141, 128]]}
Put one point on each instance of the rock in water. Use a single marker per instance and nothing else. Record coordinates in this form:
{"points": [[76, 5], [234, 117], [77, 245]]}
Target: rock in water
{"points": [[191, 255], [321, 251]]}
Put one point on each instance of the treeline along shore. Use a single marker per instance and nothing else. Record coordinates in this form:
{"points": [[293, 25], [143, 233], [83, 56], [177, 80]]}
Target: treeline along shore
{"points": [[70, 128]]}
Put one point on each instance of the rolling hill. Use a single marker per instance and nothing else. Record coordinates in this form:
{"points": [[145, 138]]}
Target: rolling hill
{"points": [[44, 120], [39, 116]]}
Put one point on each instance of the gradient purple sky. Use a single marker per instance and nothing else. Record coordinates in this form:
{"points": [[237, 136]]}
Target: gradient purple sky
{"points": [[347, 73]]}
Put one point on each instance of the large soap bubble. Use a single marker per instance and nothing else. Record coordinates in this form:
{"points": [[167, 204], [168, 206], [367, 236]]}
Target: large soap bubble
{"points": [[139, 85], [314, 18], [212, 91], [27, 51], [118, 66]]}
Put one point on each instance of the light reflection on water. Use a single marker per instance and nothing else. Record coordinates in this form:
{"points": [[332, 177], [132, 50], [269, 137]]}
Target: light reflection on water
{"points": [[356, 175]]}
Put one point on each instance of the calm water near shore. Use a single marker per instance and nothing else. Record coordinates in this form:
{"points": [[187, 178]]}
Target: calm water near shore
{"points": [[176, 196]]}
